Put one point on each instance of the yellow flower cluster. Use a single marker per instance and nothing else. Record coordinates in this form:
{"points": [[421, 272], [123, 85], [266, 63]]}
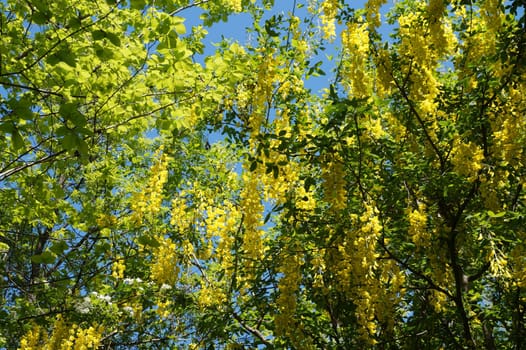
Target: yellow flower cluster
{"points": [[365, 314], [106, 220], [481, 37], [383, 80], [467, 159], [304, 200], [426, 40], [235, 5], [288, 286], [211, 296], [372, 14], [266, 78], [180, 218], [148, 202], [328, 23], [498, 262], [363, 257], [365, 243], [64, 337], [369, 282], [298, 42], [418, 230], [355, 44], [334, 183], [81, 339], [118, 267], [375, 129], [318, 268], [518, 265], [224, 222], [492, 14], [164, 268], [390, 292], [438, 300], [509, 125], [32, 339], [163, 308], [252, 210], [443, 39]]}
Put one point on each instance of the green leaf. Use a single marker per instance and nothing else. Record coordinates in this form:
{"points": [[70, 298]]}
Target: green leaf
{"points": [[103, 53], [4, 247], [491, 214], [70, 141], [269, 169], [149, 241], [270, 24], [59, 247], [17, 140], [178, 25], [46, 257], [98, 34], [70, 112], [63, 55], [267, 217], [137, 4], [309, 181], [82, 147], [275, 170], [23, 109], [113, 38]]}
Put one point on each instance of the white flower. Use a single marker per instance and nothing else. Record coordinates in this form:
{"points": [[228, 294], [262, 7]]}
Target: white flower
{"points": [[128, 309], [83, 306], [165, 286], [105, 298], [130, 281]]}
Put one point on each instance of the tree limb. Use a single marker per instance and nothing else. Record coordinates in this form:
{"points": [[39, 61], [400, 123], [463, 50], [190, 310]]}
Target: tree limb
{"points": [[5, 174]]}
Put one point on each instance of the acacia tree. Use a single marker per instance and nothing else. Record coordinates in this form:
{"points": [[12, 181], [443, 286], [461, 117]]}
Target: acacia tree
{"points": [[386, 211]]}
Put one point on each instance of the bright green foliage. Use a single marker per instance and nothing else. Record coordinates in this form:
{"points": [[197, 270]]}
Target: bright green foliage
{"points": [[386, 211]]}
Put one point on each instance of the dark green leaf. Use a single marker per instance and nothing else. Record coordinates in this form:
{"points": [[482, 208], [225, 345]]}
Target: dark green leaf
{"points": [[98, 34], [309, 181], [17, 140], [46, 257], [149, 241], [59, 247], [113, 38]]}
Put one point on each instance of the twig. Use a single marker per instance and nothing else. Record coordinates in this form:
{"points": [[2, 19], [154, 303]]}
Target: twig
{"points": [[188, 6], [12, 171]]}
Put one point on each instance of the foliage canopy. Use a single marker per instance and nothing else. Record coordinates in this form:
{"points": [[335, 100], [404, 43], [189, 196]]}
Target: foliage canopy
{"points": [[386, 211]]}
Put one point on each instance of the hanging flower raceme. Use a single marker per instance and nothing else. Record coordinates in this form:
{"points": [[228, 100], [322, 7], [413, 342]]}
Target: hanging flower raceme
{"points": [[165, 265], [334, 182], [418, 230], [467, 159], [355, 73], [329, 10], [252, 209], [64, 336], [147, 203], [288, 287]]}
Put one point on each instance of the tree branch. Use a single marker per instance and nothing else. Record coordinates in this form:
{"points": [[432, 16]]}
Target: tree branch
{"points": [[253, 331], [6, 173], [197, 3], [30, 88], [419, 274]]}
